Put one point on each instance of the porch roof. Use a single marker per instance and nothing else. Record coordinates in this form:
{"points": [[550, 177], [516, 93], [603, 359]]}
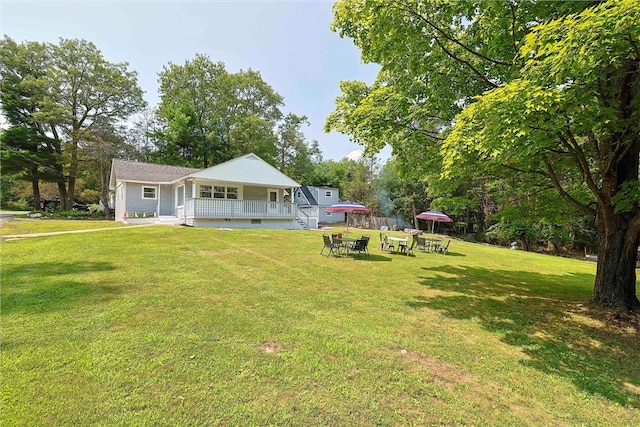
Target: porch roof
{"points": [[248, 169]]}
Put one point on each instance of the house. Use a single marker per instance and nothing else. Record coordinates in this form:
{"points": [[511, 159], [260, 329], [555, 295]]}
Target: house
{"points": [[313, 201], [245, 192]]}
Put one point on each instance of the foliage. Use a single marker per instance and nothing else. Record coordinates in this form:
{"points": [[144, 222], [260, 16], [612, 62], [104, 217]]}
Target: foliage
{"points": [[406, 197], [532, 88], [294, 156], [60, 98], [162, 319], [212, 115], [6, 184], [574, 119], [27, 152]]}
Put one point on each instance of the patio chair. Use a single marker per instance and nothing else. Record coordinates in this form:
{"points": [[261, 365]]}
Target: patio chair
{"points": [[333, 248], [360, 246], [435, 245], [421, 244], [336, 239], [409, 249], [443, 249], [388, 246]]}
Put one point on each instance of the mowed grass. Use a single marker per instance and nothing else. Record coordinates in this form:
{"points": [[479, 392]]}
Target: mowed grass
{"points": [[30, 226], [182, 326]]}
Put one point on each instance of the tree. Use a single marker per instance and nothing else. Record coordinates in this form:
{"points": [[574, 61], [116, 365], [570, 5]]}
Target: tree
{"points": [[212, 116], [143, 134], [26, 149], [574, 88], [574, 106], [76, 87], [398, 195], [294, 155], [25, 156], [102, 144]]}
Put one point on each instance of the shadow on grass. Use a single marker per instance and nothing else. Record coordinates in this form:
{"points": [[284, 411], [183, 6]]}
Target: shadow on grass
{"points": [[544, 315], [449, 253], [48, 286], [371, 257]]}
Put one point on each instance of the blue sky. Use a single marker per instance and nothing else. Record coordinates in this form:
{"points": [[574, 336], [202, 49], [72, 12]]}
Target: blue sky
{"points": [[289, 42]]}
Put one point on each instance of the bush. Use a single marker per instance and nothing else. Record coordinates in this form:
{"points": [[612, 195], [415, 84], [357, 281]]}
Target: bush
{"points": [[17, 205], [89, 196], [78, 214]]}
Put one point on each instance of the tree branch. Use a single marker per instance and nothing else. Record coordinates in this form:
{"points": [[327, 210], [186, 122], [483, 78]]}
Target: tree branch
{"points": [[467, 63], [452, 39], [565, 195]]}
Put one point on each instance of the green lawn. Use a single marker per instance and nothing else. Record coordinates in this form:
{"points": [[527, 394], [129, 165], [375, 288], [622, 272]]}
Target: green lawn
{"points": [[183, 326], [30, 226]]}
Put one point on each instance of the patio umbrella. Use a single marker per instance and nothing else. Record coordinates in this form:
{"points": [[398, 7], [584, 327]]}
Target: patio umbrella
{"points": [[346, 207], [434, 216]]}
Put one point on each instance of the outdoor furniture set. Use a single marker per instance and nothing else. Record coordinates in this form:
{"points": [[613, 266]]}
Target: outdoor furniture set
{"points": [[340, 246], [422, 243]]}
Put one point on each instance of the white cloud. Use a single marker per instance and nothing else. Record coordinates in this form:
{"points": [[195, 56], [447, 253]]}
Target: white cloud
{"points": [[355, 155]]}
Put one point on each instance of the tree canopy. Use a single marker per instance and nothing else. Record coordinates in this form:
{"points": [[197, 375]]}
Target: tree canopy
{"points": [[61, 96], [212, 115], [543, 89]]}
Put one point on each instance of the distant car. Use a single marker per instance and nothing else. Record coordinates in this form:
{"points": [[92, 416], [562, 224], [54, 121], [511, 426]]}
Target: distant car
{"points": [[49, 204], [80, 207]]}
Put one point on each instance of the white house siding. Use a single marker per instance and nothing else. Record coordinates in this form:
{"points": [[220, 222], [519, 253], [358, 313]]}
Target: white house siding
{"points": [[320, 193], [134, 201], [119, 201], [285, 224], [167, 202]]}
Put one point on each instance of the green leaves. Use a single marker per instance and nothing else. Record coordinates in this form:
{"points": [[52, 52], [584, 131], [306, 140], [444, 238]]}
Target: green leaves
{"points": [[213, 115]]}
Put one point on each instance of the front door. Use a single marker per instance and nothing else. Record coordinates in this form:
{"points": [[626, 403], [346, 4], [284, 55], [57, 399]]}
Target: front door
{"points": [[272, 204]]}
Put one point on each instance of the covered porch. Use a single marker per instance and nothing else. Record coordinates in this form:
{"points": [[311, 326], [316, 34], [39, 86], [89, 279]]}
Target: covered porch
{"points": [[196, 208]]}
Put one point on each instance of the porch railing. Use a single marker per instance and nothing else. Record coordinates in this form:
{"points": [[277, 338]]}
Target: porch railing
{"points": [[223, 208]]}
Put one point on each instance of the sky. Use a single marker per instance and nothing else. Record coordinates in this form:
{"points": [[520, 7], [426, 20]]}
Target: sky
{"points": [[288, 41]]}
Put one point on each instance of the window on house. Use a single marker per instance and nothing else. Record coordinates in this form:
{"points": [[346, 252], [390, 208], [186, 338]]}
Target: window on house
{"points": [[148, 192], [218, 192], [205, 191], [327, 193], [232, 193]]}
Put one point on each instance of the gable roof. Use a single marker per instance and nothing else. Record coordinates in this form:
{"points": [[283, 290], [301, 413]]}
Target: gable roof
{"points": [[247, 169], [127, 170]]}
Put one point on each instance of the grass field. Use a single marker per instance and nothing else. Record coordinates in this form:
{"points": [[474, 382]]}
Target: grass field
{"points": [[31, 226], [181, 326]]}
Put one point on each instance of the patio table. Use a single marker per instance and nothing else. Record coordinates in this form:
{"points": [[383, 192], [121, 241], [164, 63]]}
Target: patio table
{"points": [[433, 243], [399, 240], [347, 242]]}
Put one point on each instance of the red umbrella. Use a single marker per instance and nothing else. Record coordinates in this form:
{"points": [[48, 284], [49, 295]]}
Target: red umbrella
{"points": [[346, 207], [434, 216]]}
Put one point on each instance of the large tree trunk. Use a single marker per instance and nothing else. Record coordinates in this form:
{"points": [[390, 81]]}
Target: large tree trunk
{"points": [[35, 187], [615, 285], [62, 189], [73, 171]]}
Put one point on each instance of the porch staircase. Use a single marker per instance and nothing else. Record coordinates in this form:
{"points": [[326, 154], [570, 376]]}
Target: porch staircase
{"points": [[304, 221], [301, 225]]}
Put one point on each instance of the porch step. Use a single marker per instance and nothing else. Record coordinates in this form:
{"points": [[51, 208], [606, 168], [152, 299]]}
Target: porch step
{"points": [[301, 224], [169, 220]]}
